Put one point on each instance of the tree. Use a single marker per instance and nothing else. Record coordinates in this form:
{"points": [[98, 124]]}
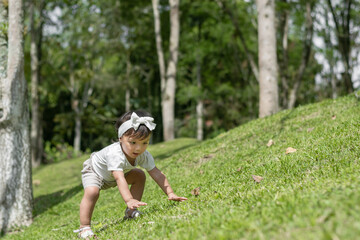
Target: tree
{"points": [[325, 30], [305, 55], [291, 81], [81, 61], [200, 102], [168, 81], [234, 19], [15, 165], [37, 148], [343, 33], [268, 72]]}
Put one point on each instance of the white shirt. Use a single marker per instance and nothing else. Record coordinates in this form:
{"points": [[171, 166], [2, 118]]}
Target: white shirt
{"points": [[112, 158]]}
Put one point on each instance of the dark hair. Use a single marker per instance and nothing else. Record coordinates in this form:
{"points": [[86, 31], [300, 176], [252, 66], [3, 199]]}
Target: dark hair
{"points": [[142, 132]]}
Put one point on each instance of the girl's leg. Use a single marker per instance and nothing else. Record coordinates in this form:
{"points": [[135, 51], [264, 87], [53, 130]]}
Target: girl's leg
{"points": [[136, 178], [91, 195]]}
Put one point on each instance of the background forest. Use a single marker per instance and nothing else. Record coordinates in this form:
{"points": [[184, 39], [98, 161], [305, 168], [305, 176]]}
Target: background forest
{"points": [[89, 61]]}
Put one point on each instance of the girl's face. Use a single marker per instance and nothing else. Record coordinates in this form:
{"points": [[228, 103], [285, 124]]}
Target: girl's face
{"points": [[133, 147]]}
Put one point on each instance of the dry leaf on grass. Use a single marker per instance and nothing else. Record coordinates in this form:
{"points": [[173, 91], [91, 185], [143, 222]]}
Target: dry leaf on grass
{"points": [[290, 150], [196, 191], [310, 129], [36, 182], [257, 179], [271, 142]]}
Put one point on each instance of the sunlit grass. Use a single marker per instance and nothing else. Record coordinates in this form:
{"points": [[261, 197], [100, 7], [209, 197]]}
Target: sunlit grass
{"points": [[312, 193]]}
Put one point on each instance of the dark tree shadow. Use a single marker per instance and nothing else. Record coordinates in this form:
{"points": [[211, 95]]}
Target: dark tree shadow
{"points": [[45, 202], [149, 211], [172, 152]]}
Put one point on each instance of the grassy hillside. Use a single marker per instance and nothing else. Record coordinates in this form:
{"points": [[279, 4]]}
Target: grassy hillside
{"points": [[312, 193]]}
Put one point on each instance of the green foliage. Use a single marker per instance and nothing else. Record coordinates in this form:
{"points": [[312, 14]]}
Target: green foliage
{"points": [[4, 30], [59, 152], [227, 89], [98, 40], [309, 194]]}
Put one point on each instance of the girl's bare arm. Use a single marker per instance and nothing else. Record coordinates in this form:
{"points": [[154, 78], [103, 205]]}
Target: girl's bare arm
{"points": [[125, 192], [164, 184]]}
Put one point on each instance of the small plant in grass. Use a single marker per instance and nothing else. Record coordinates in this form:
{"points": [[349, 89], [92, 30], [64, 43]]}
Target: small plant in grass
{"points": [[59, 152]]}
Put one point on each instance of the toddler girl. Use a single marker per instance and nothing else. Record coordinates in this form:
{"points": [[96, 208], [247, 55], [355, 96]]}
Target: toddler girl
{"points": [[115, 165]]}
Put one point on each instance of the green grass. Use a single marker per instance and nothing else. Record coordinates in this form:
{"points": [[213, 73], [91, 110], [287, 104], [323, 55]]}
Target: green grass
{"points": [[310, 194]]}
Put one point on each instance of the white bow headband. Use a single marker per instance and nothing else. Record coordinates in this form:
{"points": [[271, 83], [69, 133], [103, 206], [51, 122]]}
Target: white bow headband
{"points": [[135, 122]]}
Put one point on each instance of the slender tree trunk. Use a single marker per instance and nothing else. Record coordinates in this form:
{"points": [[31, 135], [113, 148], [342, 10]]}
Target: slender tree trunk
{"points": [[127, 100], [149, 88], [269, 103], [333, 85], [168, 83], [127, 91], [78, 126], [331, 59], [75, 105], [35, 49], [159, 48], [79, 104], [284, 62], [239, 33], [199, 105], [344, 40], [15, 163], [168, 105], [305, 56]]}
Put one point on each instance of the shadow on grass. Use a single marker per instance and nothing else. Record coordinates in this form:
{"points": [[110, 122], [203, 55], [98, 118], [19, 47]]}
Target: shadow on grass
{"points": [[45, 202], [169, 154], [164, 209], [174, 151]]}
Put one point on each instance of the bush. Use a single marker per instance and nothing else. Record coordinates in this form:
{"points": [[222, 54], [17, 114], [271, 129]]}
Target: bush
{"points": [[59, 152]]}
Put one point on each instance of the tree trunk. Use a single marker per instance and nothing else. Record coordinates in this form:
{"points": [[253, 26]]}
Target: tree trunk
{"points": [[15, 164], [284, 62], [330, 57], [75, 105], [343, 35], [127, 91], [127, 100], [79, 104], [239, 33], [268, 72], [168, 81], [35, 53], [150, 98], [3, 53], [199, 105], [168, 111], [158, 39], [77, 138], [305, 57]]}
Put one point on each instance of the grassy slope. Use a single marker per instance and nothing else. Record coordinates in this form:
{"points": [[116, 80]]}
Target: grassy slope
{"points": [[310, 194]]}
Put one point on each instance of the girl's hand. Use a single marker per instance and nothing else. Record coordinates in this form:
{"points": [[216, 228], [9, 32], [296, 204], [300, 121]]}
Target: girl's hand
{"points": [[133, 203], [173, 197]]}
